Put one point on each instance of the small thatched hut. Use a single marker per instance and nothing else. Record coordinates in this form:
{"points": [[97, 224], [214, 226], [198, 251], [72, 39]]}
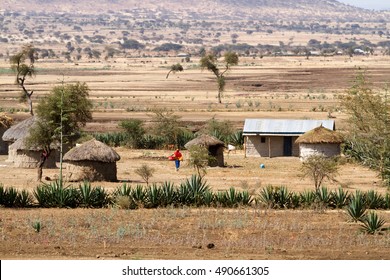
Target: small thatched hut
{"points": [[28, 157], [92, 161], [214, 146], [5, 123], [319, 140]]}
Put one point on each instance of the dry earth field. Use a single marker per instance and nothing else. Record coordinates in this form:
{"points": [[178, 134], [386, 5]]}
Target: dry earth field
{"points": [[272, 87]]}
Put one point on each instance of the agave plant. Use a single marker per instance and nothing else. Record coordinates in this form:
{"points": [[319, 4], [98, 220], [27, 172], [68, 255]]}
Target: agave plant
{"points": [[374, 200], [56, 195], [153, 196], [283, 197], [267, 196], [372, 223], [191, 191], [356, 209], [124, 190], [168, 194], [387, 201], [24, 199], [340, 198], [90, 197], [236, 139], [323, 196], [308, 198], [209, 198], [8, 196], [138, 194], [295, 200]]}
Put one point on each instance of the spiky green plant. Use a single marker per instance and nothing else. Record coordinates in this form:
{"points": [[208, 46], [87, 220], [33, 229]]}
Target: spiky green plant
{"points": [[192, 190], [308, 198], [372, 223], [168, 194], [56, 195], [92, 197], [9, 196], [356, 209], [295, 200], [236, 139], [323, 196], [339, 198], [124, 190], [138, 194], [24, 199], [374, 200], [387, 201], [209, 198], [153, 196], [267, 196], [282, 196], [37, 226]]}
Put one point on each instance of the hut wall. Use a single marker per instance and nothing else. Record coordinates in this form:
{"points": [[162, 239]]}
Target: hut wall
{"points": [[217, 152], [326, 149], [29, 159], [91, 171], [254, 147], [3, 144]]}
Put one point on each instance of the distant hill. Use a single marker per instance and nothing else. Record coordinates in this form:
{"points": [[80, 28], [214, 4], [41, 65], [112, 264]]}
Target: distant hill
{"points": [[205, 9]]}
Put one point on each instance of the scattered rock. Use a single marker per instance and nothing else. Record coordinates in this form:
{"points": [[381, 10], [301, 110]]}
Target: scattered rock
{"points": [[210, 246]]}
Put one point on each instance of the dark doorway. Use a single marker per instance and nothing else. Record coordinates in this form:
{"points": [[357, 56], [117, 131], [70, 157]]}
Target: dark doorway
{"points": [[287, 146]]}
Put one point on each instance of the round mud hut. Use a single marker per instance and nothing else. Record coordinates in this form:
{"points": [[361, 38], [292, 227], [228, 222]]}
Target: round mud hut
{"points": [[29, 157], [213, 145], [92, 161], [319, 141], [18, 152]]}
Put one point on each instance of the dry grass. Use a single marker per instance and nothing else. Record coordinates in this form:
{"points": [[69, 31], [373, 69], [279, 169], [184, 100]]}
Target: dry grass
{"points": [[185, 234]]}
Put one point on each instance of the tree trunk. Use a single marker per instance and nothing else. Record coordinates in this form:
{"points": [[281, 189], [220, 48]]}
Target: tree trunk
{"points": [[44, 156]]}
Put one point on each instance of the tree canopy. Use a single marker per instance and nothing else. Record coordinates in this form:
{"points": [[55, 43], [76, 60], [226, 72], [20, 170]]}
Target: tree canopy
{"points": [[368, 135]]}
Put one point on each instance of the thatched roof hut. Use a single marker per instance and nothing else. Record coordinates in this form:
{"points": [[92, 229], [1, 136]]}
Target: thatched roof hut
{"points": [[5, 124], [28, 157], [214, 146], [319, 140], [92, 161]]}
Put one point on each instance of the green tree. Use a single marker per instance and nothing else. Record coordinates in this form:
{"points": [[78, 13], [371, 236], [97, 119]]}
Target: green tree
{"points": [[134, 131], [23, 65], [368, 133], [210, 62], [60, 115], [175, 68], [199, 159], [319, 168], [167, 125]]}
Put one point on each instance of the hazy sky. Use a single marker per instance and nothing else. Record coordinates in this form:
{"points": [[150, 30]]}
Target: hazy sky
{"points": [[369, 4]]}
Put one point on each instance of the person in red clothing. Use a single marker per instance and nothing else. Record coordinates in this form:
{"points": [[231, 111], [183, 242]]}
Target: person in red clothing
{"points": [[178, 157]]}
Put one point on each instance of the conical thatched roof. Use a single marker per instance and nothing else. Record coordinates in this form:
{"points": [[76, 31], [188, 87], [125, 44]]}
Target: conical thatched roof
{"points": [[92, 150], [320, 135], [19, 130], [204, 140]]}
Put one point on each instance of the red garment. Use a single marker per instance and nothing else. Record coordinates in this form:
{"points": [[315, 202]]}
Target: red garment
{"points": [[177, 154]]}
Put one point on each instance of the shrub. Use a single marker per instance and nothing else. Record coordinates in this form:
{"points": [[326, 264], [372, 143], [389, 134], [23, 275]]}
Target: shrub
{"points": [[373, 200], [145, 172], [56, 195]]}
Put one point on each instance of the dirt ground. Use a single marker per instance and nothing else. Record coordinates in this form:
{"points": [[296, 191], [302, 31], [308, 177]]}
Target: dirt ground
{"points": [[186, 234]]}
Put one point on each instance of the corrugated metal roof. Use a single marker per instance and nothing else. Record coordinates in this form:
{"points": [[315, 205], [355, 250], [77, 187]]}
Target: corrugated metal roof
{"points": [[283, 127]]}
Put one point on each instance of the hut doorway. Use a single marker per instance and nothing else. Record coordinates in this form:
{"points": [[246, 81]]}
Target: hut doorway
{"points": [[287, 146]]}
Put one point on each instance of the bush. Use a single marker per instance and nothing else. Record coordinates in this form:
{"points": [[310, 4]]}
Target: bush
{"points": [[372, 223]]}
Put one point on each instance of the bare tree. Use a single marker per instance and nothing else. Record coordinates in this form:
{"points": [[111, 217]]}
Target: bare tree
{"points": [[210, 62], [23, 71]]}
